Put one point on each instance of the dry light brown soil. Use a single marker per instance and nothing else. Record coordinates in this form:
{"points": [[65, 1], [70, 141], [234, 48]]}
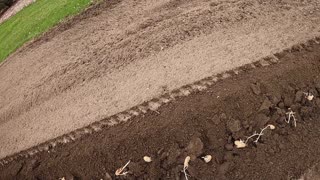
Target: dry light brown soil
{"points": [[203, 123], [121, 53]]}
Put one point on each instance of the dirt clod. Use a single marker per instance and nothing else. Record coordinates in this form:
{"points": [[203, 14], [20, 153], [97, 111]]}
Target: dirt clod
{"points": [[261, 120], [265, 106], [229, 147], [233, 125], [281, 105], [275, 99], [195, 148], [107, 177], [288, 100], [256, 88], [299, 96]]}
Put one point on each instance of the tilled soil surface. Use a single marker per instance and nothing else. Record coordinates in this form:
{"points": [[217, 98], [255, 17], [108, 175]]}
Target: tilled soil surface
{"points": [[206, 123], [119, 53]]}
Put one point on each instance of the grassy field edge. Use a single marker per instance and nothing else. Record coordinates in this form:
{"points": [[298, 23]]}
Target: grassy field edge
{"points": [[34, 20]]}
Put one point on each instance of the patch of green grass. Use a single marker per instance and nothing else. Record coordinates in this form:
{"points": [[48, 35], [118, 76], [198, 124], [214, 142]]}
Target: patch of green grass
{"points": [[34, 20]]}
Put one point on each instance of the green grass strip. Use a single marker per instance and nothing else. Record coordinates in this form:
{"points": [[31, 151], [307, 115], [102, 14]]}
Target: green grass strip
{"points": [[35, 20]]}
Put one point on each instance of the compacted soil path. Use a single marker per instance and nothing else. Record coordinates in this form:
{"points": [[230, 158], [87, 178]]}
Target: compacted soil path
{"points": [[120, 53], [207, 122]]}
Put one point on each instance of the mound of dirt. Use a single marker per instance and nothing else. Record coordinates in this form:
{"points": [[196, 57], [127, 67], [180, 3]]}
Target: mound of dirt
{"points": [[206, 123]]}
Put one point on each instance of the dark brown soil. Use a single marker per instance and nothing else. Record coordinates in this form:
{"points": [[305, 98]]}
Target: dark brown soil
{"points": [[119, 53], [205, 123]]}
